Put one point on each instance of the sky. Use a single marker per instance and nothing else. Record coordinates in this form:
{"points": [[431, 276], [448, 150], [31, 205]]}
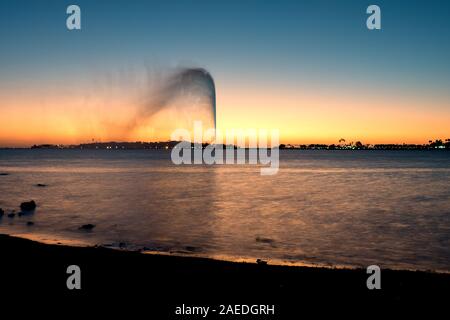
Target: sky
{"points": [[310, 69]]}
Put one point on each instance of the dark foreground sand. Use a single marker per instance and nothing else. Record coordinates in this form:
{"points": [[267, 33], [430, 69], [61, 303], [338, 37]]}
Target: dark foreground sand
{"points": [[128, 282]]}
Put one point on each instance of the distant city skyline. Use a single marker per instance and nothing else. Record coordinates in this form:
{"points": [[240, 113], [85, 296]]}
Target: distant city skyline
{"points": [[311, 69]]}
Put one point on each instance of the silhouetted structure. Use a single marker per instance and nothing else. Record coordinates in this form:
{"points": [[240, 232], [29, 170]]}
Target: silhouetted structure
{"points": [[436, 145]]}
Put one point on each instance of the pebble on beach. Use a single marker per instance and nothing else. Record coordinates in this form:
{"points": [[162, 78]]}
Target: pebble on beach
{"points": [[264, 240], [28, 206], [11, 215], [2, 212], [41, 185], [88, 226], [30, 223]]}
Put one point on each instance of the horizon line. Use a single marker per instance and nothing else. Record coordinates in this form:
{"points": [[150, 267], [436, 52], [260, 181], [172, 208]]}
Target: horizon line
{"points": [[338, 144]]}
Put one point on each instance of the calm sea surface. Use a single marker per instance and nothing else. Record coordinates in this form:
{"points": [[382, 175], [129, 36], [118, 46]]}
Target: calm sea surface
{"points": [[340, 208]]}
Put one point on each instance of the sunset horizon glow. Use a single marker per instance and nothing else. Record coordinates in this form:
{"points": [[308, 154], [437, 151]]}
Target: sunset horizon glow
{"points": [[315, 75]]}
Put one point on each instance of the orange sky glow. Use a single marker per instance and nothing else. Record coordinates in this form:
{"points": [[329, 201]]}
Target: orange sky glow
{"points": [[73, 117]]}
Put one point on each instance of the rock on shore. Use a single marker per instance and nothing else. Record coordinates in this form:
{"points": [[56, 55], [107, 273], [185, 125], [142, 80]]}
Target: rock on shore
{"points": [[28, 206]]}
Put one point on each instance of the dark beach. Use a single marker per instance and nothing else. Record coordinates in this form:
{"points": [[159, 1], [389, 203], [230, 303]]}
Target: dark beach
{"points": [[128, 280]]}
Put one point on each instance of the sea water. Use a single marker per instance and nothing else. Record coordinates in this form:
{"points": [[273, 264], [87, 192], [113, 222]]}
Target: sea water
{"points": [[332, 208]]}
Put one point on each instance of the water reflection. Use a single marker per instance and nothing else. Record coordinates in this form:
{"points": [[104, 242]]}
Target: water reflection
{"points": [[338, 208]]}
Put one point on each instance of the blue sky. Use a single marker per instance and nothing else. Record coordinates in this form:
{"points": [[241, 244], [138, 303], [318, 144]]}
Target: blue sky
{"points": [[250, 37]]}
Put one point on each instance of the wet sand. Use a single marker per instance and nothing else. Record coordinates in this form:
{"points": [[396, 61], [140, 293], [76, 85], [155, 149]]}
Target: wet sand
{"points": [[158, 283]]}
